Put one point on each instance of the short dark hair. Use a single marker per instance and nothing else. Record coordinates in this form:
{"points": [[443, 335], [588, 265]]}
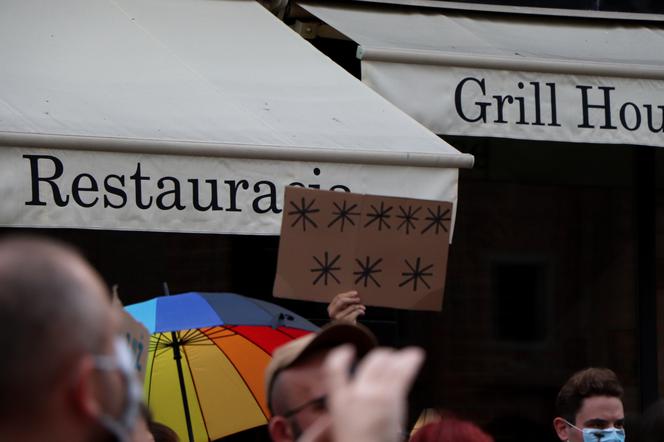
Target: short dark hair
{"points": [[584, 384], [163, 433], [46, 318]]}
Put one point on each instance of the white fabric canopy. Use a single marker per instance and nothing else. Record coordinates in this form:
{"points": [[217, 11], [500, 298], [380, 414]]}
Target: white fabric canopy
{"points": [[513, 76], [188, 115]]}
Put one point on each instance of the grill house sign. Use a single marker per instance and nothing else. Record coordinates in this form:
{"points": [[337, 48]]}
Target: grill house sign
{"points": [[526, 105], [537, 105]]}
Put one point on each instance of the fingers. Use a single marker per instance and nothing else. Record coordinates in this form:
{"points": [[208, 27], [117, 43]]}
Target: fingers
{"points": [[396, 368], [340, 306], [350, 313], [370, 406], [337, 367], [360, 310], [406, 365], [343, 299], [319, 430]]}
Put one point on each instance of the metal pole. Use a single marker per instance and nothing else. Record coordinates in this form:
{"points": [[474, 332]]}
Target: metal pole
{"points": [[178, 362]]}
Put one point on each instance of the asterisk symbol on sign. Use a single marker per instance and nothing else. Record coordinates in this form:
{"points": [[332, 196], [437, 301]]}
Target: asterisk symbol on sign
{"points": [[437, 219], [408, 217], [343, 214], [303, 211], [380, 215], [416, 274], [326, 269], [367, 270]]}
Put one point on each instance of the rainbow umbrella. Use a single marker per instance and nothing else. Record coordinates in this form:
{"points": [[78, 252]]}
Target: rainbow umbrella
{"points": [[208, 352]]}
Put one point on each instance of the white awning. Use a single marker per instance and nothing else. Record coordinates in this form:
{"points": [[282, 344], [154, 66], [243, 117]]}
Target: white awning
{"points": [[188, 115], [512, 76]]}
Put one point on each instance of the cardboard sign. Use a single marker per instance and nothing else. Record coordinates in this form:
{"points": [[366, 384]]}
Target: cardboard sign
{"points": [[138, 337], [393, 251]]}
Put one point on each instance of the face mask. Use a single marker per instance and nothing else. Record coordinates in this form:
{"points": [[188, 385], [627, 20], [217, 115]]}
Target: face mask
{"points": [[604, 435], [122, 426]]}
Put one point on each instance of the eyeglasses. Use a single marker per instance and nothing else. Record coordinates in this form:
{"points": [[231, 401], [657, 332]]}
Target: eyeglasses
{"points": [[319, 402]]}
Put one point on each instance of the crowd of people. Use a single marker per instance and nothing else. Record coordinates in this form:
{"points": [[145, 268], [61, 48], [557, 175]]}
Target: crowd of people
{"points": [[66, 375]]}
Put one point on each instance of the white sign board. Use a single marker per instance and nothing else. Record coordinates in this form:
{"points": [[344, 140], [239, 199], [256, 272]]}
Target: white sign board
{"points": [[119, 191], [524, 105]]}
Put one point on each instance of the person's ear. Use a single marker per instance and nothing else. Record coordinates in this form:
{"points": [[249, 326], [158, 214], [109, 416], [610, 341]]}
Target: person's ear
{"points": [[85, 389], [561, 427], [280, 429]]}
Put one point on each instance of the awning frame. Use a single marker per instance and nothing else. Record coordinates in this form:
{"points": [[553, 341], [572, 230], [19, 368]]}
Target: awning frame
{"points": [[244, 151]]}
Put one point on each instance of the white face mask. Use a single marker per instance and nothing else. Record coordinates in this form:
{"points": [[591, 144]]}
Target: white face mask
{"points": [[122, 426]]}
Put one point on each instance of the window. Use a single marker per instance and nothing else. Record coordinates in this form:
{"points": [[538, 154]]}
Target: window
{"points": [[519, 301]]}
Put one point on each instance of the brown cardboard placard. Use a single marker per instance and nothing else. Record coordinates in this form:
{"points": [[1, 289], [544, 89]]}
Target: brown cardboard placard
{"points": [[393, 251], [137, 335]]}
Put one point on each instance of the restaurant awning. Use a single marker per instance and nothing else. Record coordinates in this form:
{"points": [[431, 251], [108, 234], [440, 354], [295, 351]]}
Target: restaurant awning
{"points": [[517, 76], [189, 116]]}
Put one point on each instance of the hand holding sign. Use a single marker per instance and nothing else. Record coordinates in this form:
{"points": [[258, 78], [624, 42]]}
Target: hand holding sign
{"points": [[346, 306], [392, 250]]}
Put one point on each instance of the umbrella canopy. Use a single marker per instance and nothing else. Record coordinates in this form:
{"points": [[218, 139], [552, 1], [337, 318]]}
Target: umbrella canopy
{"points": [[209, 351]]}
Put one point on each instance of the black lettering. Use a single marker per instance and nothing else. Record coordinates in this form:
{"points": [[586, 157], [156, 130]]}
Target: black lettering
{"points": [[296, 184], [500, 102], [459, 104], [538, 104], [554, 105], [214, 195], [175, 192], [623, 116], [522, 110], [233, 188], [77, 188], [138, 179], [117, 191], [271, 195], [606, 106], [35, 179], [340, 187], [650, 118]]}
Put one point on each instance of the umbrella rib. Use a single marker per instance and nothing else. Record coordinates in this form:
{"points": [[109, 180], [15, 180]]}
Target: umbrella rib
{"points": [[163, 339], [287, 334], [154, 357], [239, 333], [218, 332], [193, 382], [187, 335], [198, 338], [161, 351], [243, 379]]}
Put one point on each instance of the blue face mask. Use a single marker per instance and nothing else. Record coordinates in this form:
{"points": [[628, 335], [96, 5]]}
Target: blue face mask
{"points": [[605, 435]]}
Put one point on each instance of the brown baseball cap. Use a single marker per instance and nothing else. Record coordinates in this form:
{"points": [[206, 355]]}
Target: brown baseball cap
{"points": [[330, 336]]}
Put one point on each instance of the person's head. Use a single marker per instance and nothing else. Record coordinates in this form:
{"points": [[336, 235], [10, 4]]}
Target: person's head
{"points": [[293, 379], [450, 429], [163, 433], [59, 374], [590, 400]]}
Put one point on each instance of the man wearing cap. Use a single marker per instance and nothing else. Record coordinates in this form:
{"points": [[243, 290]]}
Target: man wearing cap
{"points": [[295, 389]]}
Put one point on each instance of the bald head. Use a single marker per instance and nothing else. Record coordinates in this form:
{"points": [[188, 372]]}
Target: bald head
{"points": [[53, 308]]}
